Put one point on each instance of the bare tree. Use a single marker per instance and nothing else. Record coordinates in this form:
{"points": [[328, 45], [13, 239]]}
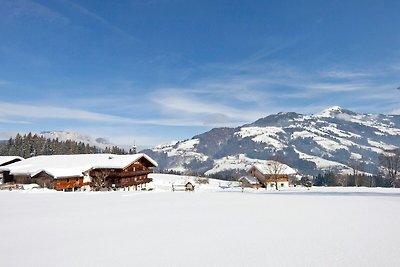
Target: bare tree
{"points": [[390, 160], [342, 180], [275, 168], [99, 179], [356, 166]]}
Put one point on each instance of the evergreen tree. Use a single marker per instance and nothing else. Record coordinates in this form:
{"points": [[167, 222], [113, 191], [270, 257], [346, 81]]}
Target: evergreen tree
{"points": [[30, 145]]}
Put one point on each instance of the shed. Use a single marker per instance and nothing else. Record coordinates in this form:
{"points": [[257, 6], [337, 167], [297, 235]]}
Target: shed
{"points": [[186, 185], [249, 181]]}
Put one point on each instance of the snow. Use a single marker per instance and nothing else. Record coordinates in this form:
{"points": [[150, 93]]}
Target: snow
{"points": [[254, 131], [319, 227], [381, 145], [250, 179], [237, 162], [326, 113], [6, 159], [164, 146], [326, 143], [72, 165], [268, 168], [164, 182], [268, 135], [332, 128], [320, 162], [185, 151]]}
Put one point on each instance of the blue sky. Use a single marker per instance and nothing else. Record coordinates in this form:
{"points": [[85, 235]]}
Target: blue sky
{"points": [[160, 70]]}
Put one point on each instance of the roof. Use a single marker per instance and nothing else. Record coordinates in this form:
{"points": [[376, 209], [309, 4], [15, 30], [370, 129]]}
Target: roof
{"points": [[6, 159], [268, 168], [73, 165], [250, 179]]}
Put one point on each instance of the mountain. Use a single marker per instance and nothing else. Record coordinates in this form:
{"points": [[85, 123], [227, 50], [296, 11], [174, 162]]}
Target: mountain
{"points": [[78, 137], [328, 140]]}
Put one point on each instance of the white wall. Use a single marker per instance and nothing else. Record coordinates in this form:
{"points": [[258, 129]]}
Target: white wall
{"points": [[281, 185]]}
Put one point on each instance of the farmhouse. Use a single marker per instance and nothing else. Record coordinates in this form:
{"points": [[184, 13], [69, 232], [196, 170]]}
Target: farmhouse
{"points": [[272, 174], [74, 172]]}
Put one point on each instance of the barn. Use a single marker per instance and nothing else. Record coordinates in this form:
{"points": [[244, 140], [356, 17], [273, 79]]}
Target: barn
{"points": [[84, 171]]}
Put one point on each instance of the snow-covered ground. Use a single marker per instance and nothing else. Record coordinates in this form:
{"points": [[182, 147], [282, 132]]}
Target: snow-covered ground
{"points": [[209, 227]]}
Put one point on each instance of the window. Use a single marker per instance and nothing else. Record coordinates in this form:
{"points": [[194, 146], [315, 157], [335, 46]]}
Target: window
{"points": [[272, 184], [282, 185], [67, 180]]}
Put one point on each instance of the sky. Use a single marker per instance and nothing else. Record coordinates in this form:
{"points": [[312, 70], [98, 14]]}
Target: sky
{"points": [[151, 71]]}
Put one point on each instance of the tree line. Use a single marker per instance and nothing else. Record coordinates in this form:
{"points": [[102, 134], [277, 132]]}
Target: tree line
{"points": [[30, 145], [333, 179]]}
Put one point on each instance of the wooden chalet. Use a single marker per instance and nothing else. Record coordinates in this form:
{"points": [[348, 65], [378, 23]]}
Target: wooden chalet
{"points": [[82, 172], [265, 175]]}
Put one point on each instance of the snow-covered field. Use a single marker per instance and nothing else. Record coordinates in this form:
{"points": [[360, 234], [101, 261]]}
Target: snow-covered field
{"points": [[210, 227]]}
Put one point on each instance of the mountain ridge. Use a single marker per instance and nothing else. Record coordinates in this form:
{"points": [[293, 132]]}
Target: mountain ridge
{"points": [[329, 139]]}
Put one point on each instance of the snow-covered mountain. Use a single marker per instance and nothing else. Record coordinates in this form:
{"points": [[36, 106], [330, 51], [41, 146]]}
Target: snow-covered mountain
{"points": [[329, 139], [78, 137]]}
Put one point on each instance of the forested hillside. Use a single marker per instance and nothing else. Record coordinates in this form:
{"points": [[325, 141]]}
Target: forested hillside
{"points": [[29, 145]]}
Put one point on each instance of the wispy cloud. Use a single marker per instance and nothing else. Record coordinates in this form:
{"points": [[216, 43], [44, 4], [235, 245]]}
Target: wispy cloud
{"points": [[206, 112], [345, 74], [261, 88], [17, 9], [13, 112], [85, 11], [337, 87], [4, 82]]}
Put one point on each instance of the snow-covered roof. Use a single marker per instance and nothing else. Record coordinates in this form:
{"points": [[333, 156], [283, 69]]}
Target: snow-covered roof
{"points": [[250, 179], [73, 165], [268, 168], [6, 159]]}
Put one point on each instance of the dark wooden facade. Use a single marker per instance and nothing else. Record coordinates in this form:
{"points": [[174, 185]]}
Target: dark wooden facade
{"points": [[135, 175]]}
